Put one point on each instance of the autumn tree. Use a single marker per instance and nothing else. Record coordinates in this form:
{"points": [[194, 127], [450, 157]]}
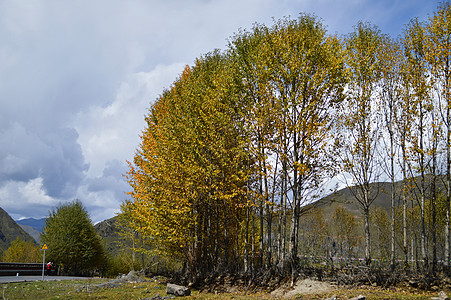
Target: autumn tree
{"points": [[189, 175], [438, 55], [381, 228], [421, 105], [307, 82], [314, 233], [292, 77], [360, 132], [72, 240], [22, 251], [344, 230], [249, 55], [390, 98], [135, 248]]}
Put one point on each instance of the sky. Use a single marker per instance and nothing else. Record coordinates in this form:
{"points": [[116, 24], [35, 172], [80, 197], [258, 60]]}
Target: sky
{"points": [[78, 77]]}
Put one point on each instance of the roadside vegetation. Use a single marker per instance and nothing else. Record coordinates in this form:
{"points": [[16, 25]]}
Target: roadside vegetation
{"points": [[73, 244], [22, 251], [88, 289]]}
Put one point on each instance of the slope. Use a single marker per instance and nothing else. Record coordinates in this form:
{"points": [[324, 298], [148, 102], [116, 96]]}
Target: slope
{"points": [[10, 230], [382, 193]]}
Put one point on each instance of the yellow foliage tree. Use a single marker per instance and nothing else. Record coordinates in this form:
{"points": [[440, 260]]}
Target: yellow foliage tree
{"points": [[438, 55], [21, 251], [188, 176]]}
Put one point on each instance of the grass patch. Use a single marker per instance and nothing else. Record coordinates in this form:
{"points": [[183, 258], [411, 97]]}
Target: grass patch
{"points": [[79, 289], [88, 289]]}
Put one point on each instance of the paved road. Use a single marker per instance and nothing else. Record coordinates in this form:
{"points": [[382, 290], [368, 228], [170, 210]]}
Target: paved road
{"points": [[8, 279]]}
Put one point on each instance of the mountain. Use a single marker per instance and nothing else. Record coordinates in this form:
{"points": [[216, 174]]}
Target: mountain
{"points": [[36, 235], [33, 227], [37, 224], [345, 198], [114, 241], [109, 230], [10, 231], [382, 193]]}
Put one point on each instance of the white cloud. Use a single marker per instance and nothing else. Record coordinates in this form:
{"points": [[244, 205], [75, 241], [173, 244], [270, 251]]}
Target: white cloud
{"points": [[26, 198], [112, 132], [101, 205]]}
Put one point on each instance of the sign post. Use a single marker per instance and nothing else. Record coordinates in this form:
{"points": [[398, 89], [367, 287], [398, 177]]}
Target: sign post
{"points": [[44, 247]]}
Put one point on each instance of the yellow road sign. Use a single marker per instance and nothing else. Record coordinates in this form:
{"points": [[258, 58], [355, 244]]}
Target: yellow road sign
{"points": [[44, 247]]}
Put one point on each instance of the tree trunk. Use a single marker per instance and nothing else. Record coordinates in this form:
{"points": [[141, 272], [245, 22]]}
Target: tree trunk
{"points": [[404, 205], [280, 225], [422, 190], [295, 214], [294, 243], [261, 198], [434, 216], [253, 244], [448, 190], [246, 243], [393, 195], [269, 213], [366, 215]]}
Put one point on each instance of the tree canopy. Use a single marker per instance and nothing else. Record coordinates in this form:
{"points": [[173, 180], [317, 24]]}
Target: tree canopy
{"points": [[22, 251], [72, 240]]}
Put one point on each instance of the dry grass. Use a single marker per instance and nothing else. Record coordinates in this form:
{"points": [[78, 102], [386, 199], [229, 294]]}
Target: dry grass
{"points": [[87, 289]]}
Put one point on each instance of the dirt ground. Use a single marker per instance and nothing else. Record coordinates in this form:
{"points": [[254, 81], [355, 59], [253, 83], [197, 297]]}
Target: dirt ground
{"points": [[303, 287]]}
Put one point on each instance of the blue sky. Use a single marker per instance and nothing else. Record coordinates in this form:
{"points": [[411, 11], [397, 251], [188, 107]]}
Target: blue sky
{"points": [[77, 78]]}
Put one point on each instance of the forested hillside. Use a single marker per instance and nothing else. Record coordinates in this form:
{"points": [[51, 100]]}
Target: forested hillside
{"points": [[10, 231], [239, 148]]}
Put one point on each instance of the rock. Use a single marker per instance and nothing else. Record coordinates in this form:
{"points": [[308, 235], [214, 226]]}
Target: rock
{"points": [[334, 297], [112, 283], [133, 277], [359, 297], [302, 287], [413, 283], [442, 296], [158, 297], [177, 290]]}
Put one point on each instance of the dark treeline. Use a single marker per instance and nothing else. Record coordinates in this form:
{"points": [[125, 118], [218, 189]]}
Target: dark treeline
{"points": [[239, 147]]}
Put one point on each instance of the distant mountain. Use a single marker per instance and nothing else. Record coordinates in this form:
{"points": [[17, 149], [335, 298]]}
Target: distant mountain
{"points": [[36, 235], [10, 231], [114, 241], [37, 224], [345, 198], [380, 190], [109, 230]]}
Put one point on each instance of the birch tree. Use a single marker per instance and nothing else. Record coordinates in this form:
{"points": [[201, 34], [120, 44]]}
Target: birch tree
{"points": [[390, 92], [249, 55], [307, 81], [418, 86], [360, 134], [438, 54]]}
